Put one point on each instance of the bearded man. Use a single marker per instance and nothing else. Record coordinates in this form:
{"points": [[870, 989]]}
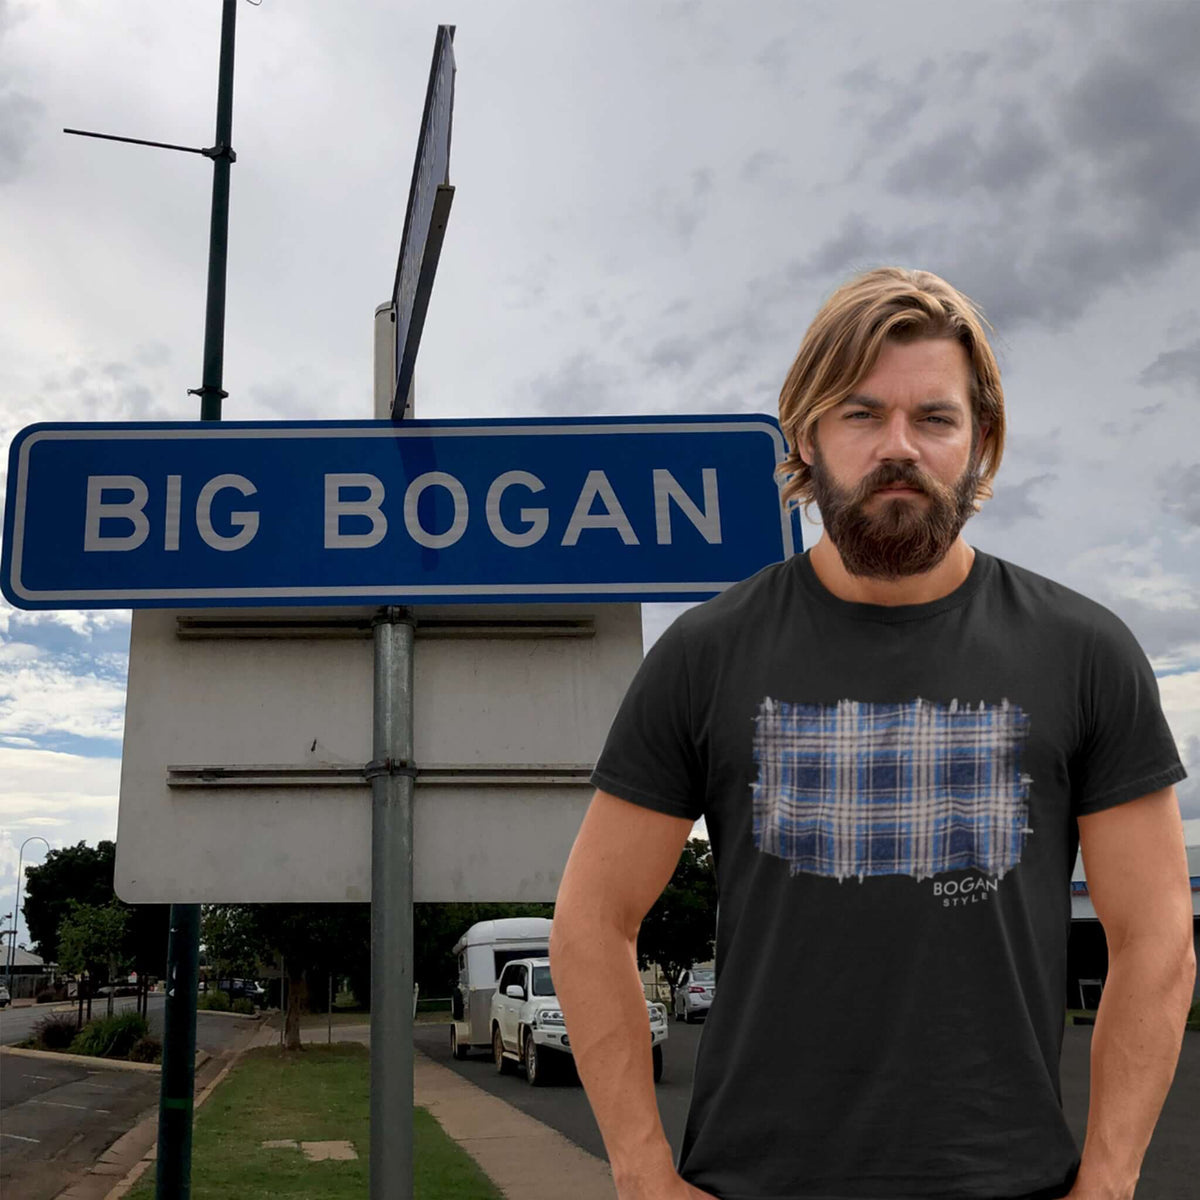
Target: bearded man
{"points": [[874, 731]]}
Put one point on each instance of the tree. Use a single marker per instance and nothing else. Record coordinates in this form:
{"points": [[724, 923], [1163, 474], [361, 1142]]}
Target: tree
{"points": [[681, 928], [91, 939], [315, 940], [232, 940], [79, 873]]}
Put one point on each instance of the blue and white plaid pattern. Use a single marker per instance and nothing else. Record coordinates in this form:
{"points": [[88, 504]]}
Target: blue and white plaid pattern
{"points": [[859, 789]]}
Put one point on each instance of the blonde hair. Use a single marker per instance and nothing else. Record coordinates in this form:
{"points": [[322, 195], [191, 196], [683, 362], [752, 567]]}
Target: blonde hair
{"points": [[843, 343]]}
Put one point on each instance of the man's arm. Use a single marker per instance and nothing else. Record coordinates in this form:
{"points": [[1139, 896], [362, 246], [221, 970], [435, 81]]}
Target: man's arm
{"points": [[622, 859], [1137, 877]]}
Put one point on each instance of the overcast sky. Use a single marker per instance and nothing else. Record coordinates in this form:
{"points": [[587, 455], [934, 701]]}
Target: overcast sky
{"points": [[652, 201]]}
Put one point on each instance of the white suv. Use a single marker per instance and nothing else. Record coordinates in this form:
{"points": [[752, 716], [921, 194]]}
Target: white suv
{"points": [[528, 1027]]}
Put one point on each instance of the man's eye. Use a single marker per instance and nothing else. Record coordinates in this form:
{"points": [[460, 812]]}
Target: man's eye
{"points": [[940, 420], [862, 412]]}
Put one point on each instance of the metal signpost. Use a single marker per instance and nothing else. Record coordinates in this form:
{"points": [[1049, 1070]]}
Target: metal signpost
{"points": [[429, 199]]}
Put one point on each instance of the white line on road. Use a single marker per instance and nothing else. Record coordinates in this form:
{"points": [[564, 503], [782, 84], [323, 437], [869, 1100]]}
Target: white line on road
{"points": [[19, 1138], [81, 1107], [44, 1078]]}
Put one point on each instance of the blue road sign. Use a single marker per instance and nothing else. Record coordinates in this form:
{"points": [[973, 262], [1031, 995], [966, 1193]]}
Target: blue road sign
{"points": [[200, 514]]}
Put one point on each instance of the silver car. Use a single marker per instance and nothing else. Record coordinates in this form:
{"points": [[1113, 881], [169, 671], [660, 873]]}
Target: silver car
{"points": [[694, 994]]}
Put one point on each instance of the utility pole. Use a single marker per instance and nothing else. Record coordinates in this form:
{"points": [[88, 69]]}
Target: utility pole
{"points": [[178, 1081]]}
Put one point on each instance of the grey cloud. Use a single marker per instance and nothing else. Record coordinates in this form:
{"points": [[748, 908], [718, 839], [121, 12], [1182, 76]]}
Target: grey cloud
{"points": [[1146, 147], [1174, 366], [1181, 493], [1016, 154], [863, 78], [758, 164], [774, 58], [1045, 450], [580, 384], [18, 117], [152, 354], [675, 353], [1161, 631], [1169, 35], [940, 166], [682, 214], [1012, 502], [896, 120], [1095, 183]]}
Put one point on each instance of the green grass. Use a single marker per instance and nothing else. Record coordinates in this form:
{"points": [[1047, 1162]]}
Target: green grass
{"points": [[318, 1094]]}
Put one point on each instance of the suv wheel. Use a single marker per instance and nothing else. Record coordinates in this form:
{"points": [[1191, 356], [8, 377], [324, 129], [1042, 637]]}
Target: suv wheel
{"points": [[504, 1066], [457, 1049], [535, 1063]]}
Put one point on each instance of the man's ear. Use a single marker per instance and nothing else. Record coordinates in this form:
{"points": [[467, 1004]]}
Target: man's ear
{"points": [[804, 447]]}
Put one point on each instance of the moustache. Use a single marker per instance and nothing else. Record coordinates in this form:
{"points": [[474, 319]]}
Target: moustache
{"points": [[893, 474]]}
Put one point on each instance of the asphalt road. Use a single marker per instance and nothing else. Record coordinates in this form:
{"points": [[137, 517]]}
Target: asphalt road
{"points": [[1169, 1172], [57, 1118]]}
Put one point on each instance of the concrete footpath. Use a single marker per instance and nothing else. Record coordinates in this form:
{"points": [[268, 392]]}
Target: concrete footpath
{"points": [[521, 1156]]}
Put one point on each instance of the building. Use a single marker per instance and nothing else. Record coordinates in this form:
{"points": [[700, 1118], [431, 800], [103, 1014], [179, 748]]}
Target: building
{"points": [[1087, 950]]}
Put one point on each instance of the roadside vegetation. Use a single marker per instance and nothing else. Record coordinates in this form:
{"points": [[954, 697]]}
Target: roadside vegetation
{"points": [[322, 1095], [126, 1036]]}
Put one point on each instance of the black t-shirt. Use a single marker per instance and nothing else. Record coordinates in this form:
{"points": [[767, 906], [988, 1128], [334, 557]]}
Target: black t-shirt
{"points": [[891, 795]]}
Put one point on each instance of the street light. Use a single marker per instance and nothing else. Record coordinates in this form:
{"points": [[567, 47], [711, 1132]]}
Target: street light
{"points": [[16, 912]]}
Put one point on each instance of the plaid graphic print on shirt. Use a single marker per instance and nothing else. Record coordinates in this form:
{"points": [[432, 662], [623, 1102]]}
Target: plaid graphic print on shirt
{"points": [[857, 789]]}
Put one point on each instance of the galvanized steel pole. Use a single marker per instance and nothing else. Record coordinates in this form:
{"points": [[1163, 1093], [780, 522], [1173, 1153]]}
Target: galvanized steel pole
{"points": [[392, 774]]}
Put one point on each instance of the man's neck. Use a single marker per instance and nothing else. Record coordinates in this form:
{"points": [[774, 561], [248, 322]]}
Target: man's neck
{"points": [[949, 574]]}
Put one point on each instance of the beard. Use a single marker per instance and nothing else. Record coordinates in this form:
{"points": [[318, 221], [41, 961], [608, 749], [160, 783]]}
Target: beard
{"points": [[900, 537]]}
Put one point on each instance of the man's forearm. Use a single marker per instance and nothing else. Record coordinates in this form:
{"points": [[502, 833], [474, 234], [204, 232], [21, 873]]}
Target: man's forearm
{"points": [[1135, 1049], [596, 980]]}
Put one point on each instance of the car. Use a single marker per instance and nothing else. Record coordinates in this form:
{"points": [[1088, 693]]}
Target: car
{"points": [[5, 998], [694, 993], [528, 1029]]}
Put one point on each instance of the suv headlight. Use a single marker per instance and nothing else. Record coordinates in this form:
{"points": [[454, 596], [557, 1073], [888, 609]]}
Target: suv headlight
{"points": [[548, 1016]]}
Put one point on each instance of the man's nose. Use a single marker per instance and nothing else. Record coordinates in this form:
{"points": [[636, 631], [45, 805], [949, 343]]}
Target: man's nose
{"points": [[898, 443]]}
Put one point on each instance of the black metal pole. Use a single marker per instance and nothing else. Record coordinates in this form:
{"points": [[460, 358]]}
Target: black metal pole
{"points": [[211, 392], [174, 1167]]}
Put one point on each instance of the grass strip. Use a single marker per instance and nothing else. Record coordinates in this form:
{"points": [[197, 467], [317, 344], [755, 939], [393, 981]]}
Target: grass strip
{"points": [[318, 1094]]}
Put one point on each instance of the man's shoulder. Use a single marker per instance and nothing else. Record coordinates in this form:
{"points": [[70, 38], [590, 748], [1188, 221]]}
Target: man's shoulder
{"points": [[1048, 600], [750, 600]]}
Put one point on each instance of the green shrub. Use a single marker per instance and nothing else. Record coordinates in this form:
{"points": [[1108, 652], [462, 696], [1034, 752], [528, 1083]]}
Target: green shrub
{"points": [[146, 1049], [110, 1037], [47, 997], [55, 1032], [217, 1001], [243, 1005]]}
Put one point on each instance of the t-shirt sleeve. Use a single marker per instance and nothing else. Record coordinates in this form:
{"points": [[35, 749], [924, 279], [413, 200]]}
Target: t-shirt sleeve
{"points": [[651, 757], [1127, 749]]}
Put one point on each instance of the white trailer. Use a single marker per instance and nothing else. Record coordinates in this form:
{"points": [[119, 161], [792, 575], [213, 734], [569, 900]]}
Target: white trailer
{"points": [[482, 953]]}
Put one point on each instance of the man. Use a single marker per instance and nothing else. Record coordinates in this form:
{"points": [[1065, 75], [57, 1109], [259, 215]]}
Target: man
{"points": [[897, 743]]}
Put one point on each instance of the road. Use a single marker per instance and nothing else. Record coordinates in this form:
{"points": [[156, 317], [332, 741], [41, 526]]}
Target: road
{"points": [[1169, 1172], [57, 1118], [563, 1105]]}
